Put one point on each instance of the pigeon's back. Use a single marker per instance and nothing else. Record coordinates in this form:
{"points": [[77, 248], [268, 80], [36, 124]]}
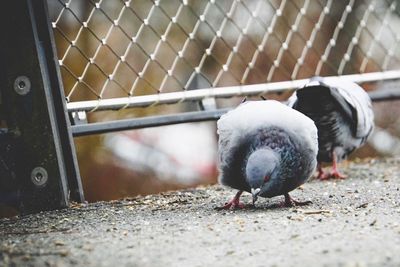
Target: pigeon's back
{"points": [[360, 102], [341, 110], [252, 115], [351, 98]]}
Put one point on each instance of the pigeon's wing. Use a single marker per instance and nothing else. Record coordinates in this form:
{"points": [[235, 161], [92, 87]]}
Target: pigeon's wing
{"points": [[355, 102], [352, 99], [228, 132]]}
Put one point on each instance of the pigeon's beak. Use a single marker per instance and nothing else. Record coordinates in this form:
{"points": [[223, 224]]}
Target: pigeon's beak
{"points": [[255, 192]]}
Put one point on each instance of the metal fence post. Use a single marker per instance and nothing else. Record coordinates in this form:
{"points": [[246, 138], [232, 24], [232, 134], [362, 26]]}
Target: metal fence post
{"points": [[42, 170]]}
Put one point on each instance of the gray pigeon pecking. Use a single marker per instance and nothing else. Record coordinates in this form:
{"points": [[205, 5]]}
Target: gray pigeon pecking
{"points": [[343, 115], [267, 149]]}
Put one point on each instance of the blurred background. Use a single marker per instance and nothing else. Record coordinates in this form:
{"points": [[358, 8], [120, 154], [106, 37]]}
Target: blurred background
{"points": [[112, 49]]}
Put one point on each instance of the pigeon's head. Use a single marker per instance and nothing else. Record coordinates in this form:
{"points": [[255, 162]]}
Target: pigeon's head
{"points": [[260, 167]]}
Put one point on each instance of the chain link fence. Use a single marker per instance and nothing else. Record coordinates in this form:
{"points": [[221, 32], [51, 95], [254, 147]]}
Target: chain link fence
{"points": [[118, 54]]}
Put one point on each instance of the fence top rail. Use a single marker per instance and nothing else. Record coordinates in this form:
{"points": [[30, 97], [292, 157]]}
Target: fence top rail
{"points": [[217, 92]]}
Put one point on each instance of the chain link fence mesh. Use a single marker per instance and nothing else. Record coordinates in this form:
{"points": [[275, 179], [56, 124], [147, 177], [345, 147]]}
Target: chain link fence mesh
{"points": [[124, 50]]}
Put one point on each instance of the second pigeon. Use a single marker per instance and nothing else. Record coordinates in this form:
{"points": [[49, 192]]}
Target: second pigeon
{"points": [[343, 114]]}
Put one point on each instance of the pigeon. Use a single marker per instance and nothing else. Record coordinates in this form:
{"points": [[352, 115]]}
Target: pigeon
{"points": [[342, 112], [267, 149]]}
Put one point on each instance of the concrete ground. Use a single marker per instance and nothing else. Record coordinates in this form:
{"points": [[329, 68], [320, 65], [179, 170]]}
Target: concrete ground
{"points": [[352, 222]]}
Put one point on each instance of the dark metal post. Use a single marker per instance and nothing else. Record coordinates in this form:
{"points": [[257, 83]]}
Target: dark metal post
{"points": [[44, 163]]}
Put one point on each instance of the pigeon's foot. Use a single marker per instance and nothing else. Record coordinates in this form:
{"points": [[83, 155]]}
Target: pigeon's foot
{"points": [[290, 202], [336, 174], [333, 174], [233, 204], [323, 175]]}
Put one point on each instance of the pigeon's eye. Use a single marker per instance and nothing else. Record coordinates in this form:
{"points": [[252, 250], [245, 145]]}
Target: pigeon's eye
{"points": [[266, 179]]}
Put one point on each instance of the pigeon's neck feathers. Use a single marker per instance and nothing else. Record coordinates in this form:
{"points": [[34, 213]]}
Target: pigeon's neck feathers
{"points": [[260, 164]]}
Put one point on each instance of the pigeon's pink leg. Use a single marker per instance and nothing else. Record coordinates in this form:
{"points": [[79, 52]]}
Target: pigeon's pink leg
{"points": [[234, 203], [335, 172], [322, 175], [290, 202]]}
